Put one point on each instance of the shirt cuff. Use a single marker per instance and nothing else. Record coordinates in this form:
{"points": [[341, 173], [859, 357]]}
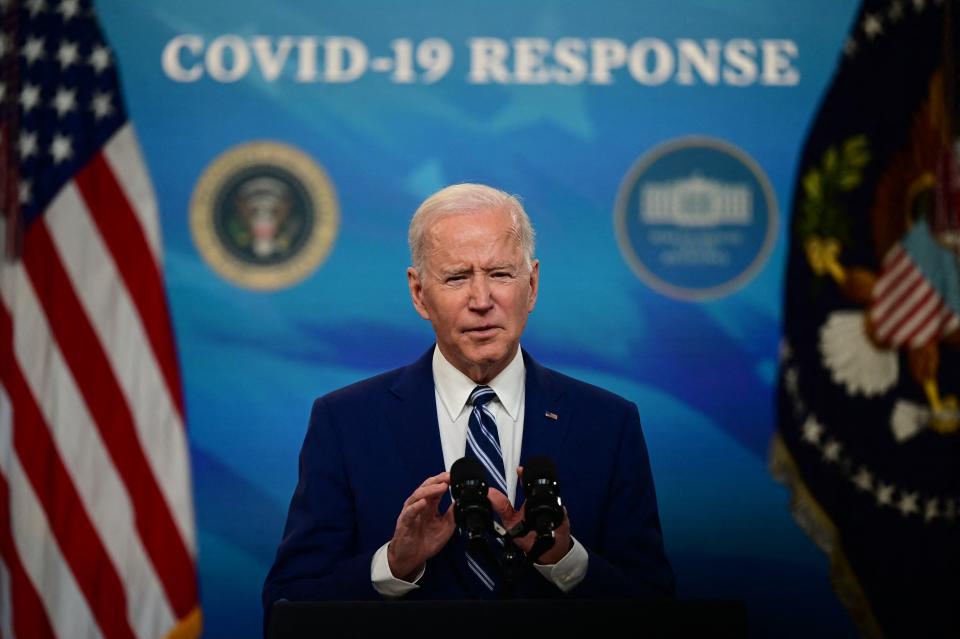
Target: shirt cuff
{"points": [[383, 580], [567, 573]]}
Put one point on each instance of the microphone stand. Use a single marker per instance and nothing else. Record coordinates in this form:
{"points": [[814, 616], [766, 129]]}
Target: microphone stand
{"points": [[514, 560]]}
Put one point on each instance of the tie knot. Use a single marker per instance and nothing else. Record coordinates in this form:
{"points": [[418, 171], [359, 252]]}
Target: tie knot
{"points": [[481, 395]]}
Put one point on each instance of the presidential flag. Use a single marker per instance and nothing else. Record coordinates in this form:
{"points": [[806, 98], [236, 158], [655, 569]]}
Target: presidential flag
{"points": [[869, 427], [96, 519]]}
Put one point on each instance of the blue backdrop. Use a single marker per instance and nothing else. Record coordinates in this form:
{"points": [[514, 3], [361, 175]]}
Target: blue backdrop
{"points": [[563, 134]]}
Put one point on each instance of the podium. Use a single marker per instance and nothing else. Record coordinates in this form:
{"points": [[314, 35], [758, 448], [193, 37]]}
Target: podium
{"points": [[549, 619]]}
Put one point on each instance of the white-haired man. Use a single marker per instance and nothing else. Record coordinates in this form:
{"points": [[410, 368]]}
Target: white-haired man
{"points": [[370, 517]]}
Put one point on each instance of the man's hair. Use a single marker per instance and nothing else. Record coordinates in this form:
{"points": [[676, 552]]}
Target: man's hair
{"points": [[465, 198]]}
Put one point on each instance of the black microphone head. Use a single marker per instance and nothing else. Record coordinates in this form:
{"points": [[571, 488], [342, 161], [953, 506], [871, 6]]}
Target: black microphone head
{"points": [[466, 469], [544, 510], [471, 509], [539, 468]]}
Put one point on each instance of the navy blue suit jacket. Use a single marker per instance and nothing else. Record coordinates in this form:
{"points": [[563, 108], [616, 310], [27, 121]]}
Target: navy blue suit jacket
{"points": [[369, 445]]}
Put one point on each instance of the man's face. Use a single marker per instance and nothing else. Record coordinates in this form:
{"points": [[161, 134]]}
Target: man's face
{"points": [[476, 290]]}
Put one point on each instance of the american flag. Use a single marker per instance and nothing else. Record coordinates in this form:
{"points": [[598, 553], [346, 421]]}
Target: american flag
{"points": [[96, 517], [915, 300]]}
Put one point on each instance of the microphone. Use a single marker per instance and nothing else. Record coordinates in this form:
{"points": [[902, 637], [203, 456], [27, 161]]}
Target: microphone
{"points": [[543, 508], [471, 508]]}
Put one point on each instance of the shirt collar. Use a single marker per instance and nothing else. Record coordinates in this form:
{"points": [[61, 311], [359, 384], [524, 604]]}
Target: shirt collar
{"points": [[454, 387]]}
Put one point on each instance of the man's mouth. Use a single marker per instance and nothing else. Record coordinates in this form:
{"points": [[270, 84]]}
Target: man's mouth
{"points": [[482, 331]]}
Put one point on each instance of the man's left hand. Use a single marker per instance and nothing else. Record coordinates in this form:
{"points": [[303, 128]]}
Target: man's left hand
{"points": [[510, 518]]}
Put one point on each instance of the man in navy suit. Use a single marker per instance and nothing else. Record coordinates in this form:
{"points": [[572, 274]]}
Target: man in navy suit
{"points": [[370, 517]]}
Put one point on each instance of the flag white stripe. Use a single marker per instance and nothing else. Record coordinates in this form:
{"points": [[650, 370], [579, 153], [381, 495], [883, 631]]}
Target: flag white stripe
{"points": [[929, 329], [905, 310], [886, 318], [885, 301], [927, 314], [37, 548], [895, 271], [125, 159], [893, 283], [114, 317], [84, 456]]}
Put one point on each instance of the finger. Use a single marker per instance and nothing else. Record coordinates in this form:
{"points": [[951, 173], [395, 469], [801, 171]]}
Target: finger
{"points": [[409, 514], [440, 532], [426, 492], [431, 490], [441, 477], [433, 499], [499, 501], [502, 506], [429, 481]]}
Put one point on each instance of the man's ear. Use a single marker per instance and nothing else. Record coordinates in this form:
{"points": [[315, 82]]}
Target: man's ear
{"points": [[416, 292], [534, 285]]}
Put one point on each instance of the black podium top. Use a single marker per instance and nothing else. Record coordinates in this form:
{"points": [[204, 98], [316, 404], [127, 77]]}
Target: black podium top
{"points": [[549, 619]]}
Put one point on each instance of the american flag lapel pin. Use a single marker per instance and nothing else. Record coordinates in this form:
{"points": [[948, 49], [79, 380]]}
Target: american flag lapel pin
{"points": [[550, 415]]}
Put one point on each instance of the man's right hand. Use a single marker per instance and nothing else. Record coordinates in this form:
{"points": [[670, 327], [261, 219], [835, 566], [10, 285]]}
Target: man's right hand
{"points": [[421, 530]]}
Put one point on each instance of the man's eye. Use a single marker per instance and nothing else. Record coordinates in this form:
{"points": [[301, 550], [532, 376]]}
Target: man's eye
{"points": [[501, 274], [456, 278]]}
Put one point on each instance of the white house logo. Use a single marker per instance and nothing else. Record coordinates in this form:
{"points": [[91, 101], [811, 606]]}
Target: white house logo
{"points": [[264, 215], [696, 202], [696, 218]]}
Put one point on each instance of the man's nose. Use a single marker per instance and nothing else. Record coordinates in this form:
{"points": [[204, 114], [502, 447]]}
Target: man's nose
{"points": [[480, 294]]}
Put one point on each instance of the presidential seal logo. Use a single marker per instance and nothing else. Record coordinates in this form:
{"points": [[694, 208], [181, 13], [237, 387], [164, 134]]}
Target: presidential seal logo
{"points": [[264, 215], [696, 218]]}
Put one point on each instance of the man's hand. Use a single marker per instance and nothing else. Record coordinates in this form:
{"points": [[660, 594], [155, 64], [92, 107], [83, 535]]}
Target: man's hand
{"points": [[421, 531], [510, 518]]}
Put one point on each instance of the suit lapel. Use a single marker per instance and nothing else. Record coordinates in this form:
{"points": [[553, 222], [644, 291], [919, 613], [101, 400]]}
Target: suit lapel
{"points": [[545, 421], [412, 415]]}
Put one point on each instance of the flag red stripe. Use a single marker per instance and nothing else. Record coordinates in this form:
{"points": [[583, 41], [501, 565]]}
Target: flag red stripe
{"points": [[931, 325], [29, 617], [900, 270], [892, 271], [892, 327], [124, 237], [894, 279], [888, 310], [78, 540], [929, 321], [95, 379]]}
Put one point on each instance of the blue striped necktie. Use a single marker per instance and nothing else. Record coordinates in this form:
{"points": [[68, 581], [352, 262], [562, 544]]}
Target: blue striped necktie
{"points": [[483, 444]]}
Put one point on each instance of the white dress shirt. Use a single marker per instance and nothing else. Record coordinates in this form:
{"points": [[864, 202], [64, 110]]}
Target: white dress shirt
{"points": [[452, 390]]}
